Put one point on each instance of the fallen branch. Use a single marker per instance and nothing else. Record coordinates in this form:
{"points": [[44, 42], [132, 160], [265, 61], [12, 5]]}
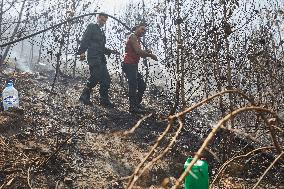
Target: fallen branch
{"points": [[28, 178], [213, 154], [8, 183], [137, 124]]}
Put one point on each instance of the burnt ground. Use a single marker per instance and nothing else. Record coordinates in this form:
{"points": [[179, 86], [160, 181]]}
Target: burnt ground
{"points": [[53, 141]]}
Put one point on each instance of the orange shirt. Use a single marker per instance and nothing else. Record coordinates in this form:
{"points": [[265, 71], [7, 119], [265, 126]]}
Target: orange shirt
{"points": [[131, 57]]}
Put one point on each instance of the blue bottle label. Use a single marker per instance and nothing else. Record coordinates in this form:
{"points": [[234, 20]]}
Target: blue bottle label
{"points": [[9, 99]]}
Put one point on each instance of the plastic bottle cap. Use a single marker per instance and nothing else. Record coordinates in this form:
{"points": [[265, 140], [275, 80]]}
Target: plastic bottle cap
{"points": [[9, 83]]}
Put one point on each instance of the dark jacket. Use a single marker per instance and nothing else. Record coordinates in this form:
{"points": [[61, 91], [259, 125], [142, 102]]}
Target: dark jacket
{"points": [[93, 41]]}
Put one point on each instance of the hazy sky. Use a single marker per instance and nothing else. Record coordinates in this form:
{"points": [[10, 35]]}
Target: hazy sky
{"points": [[114, 6]]}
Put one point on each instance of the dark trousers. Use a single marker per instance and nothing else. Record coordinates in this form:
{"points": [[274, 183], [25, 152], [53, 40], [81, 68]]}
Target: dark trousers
{"points": [[136, 84], [99, 74]]}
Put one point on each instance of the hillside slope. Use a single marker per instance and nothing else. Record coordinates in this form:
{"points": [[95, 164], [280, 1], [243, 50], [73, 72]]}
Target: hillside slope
{"points": [[53, 141]]}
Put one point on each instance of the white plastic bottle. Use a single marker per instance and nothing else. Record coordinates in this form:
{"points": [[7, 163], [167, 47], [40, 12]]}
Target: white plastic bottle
{"points": [[10, 96]]}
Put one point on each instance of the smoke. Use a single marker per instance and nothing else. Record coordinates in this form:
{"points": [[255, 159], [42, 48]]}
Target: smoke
{"points": [[22, 64], [19, 59]]}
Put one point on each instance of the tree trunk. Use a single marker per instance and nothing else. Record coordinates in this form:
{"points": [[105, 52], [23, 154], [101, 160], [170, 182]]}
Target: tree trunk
{"points": [[1, 19], [40, 48], [178, 84], [31, 58], [14, 33]]}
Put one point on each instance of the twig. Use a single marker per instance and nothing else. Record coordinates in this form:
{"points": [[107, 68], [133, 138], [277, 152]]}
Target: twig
{"points": [[29, 184], [8, 183], [137, 124], [57, 184], [2, 141], [271, 165], [64, 22], [272, 133], [213, 154]]}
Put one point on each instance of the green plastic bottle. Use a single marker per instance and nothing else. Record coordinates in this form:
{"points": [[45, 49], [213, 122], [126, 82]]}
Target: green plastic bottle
{"points": [[199, 179]]}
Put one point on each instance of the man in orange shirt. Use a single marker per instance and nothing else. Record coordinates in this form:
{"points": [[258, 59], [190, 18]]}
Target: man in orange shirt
{"points": [[136, 84]]}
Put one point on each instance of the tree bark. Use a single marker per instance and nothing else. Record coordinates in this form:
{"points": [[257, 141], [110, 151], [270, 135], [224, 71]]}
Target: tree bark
{"points": [[14, 33]]}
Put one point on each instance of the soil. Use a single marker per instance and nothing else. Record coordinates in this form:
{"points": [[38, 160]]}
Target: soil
{"points": [[53, 141]]}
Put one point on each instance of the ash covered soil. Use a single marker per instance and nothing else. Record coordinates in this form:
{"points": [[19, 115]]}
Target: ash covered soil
{"points": [[53, 141]]}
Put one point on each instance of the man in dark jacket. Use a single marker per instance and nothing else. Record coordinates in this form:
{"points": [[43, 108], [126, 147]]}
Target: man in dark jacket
{"points": [[93, 42]]}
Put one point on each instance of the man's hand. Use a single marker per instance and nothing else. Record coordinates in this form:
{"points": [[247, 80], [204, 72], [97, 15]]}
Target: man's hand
{"points": [[154, 57], [148, 51], [82, 57], [114, 52]]}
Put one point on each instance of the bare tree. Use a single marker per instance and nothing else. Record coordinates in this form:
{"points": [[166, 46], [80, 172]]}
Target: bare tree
{"points": [[14, 32]]}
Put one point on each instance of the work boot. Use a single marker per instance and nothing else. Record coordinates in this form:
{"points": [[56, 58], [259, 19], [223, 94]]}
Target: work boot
{"points": [[139, 101], [133, 105], [85, 97], [105, 102], [139, 97], [134, 109], [140, 106]]}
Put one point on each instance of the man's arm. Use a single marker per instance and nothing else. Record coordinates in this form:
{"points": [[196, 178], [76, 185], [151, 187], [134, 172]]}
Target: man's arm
{"points": [[135, 44], [85, 40], [108, 51]]}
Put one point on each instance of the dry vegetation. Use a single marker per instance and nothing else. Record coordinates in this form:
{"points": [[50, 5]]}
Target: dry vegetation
{"points": [[216, 92]]}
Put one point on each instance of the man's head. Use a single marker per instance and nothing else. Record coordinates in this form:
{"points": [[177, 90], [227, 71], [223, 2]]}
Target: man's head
{"points": [[101, 19], [140, 29]]}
